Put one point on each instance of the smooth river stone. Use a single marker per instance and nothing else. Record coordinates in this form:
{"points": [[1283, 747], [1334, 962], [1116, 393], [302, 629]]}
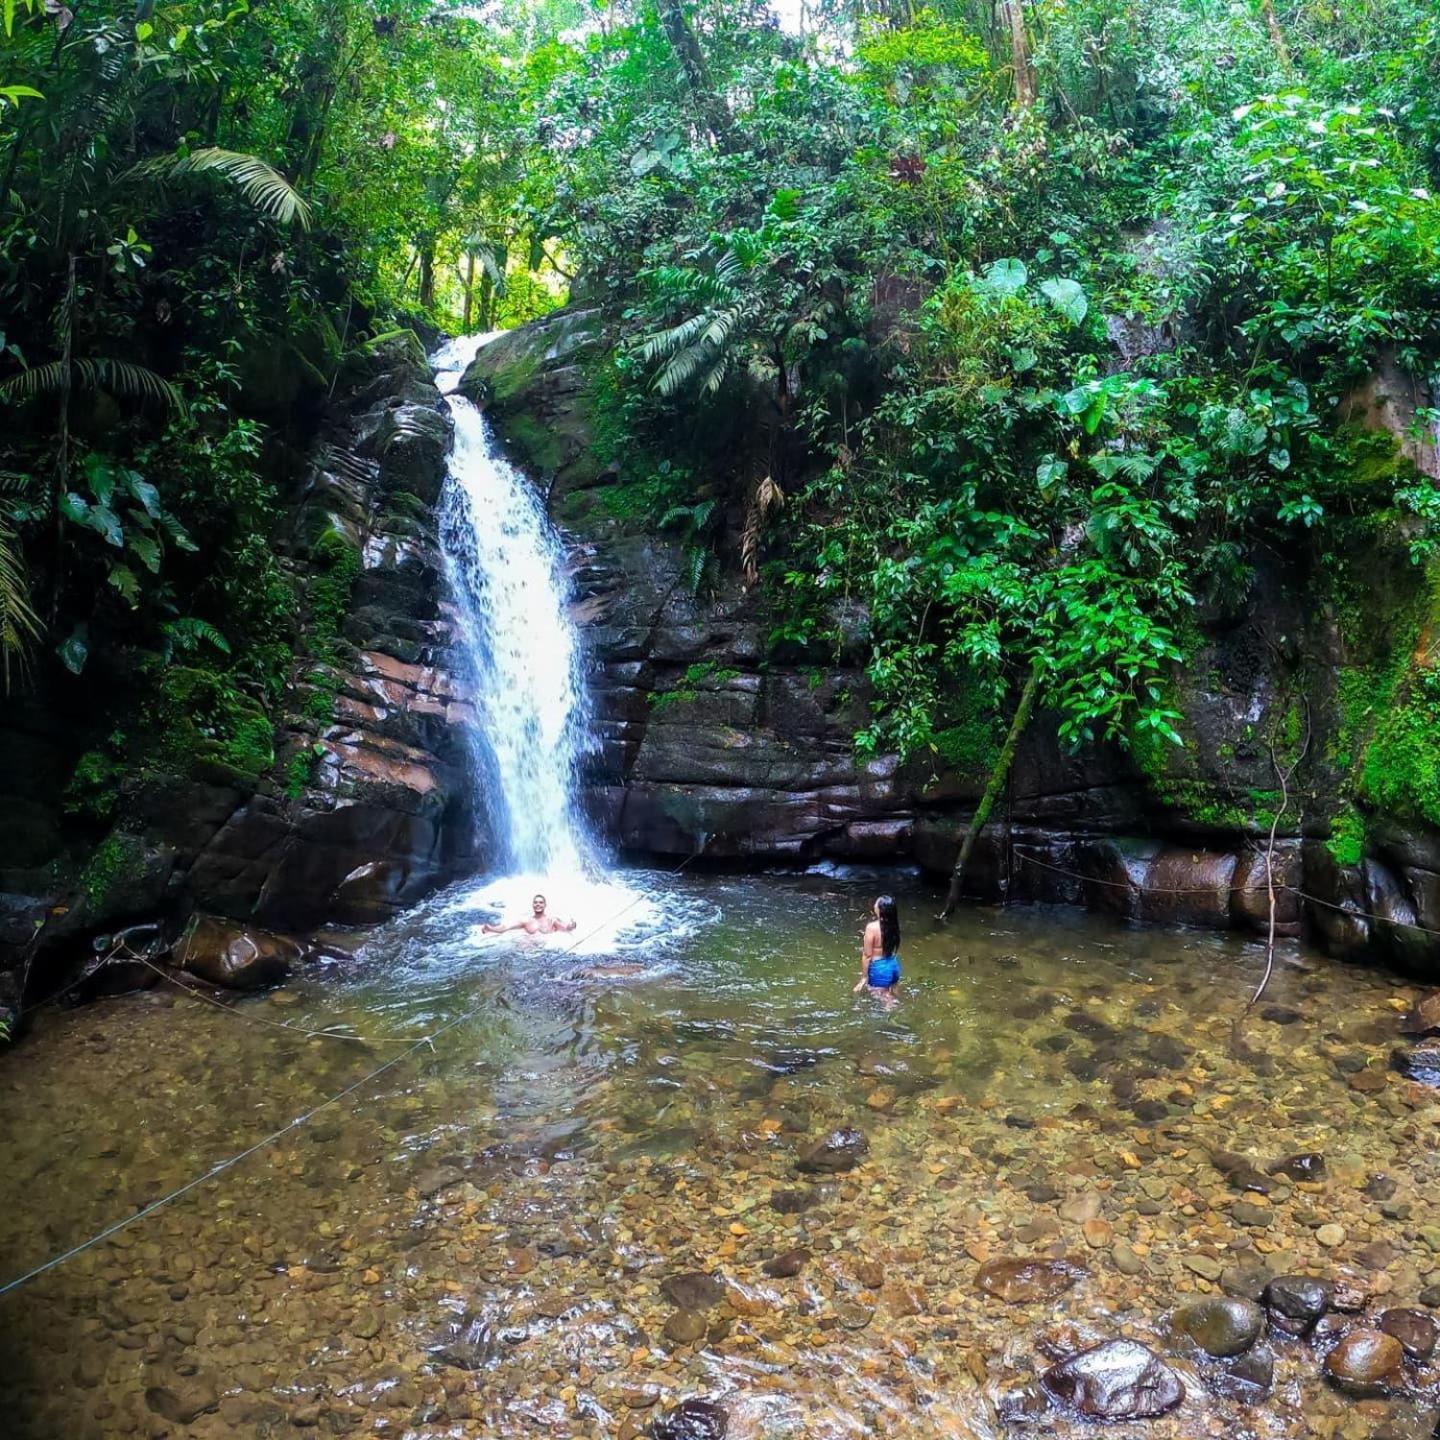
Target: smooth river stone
{"points": [[1221, 1327], [1296, 1302], [1416, 1331], [1119, 1380], [1365, 1362], [1023, 1282]]}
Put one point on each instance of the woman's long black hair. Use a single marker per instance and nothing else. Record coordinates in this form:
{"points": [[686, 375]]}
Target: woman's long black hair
{"points": [[889, 916]]}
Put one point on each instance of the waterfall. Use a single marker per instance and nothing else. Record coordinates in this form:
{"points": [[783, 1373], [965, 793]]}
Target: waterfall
{"points": [[505, 567]]}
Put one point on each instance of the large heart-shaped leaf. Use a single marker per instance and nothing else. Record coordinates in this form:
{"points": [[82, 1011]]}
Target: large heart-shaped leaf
{"points": [[1068, 298], [1006, 277]]}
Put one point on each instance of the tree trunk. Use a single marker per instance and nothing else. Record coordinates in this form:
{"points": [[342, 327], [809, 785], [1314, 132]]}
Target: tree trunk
{"points": [[469, 292], [993, 788], [1277, 35], [692, 65], [426, 289], [1021, 66]]}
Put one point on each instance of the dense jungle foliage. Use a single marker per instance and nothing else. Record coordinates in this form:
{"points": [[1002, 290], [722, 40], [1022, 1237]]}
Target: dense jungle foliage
{"points": [[1027, 329]]}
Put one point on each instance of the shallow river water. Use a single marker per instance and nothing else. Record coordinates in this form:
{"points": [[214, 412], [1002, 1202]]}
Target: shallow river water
{"points": [[557, 1222]]}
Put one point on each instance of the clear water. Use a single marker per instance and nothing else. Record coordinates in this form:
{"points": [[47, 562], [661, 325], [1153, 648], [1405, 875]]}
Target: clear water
{"points": [[506, 571], [514, 1201]]}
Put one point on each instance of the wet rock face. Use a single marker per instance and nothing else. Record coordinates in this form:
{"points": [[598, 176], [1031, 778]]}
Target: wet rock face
{"points": [[237, 957], [360, 813], [1221, 1327], [1365, 1362], [840, 1150], [1025, 1282], [1119, 1380]]}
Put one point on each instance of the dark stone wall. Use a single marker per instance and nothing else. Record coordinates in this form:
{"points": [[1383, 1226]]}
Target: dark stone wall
{"points": [[367, 806], [755, 762]]}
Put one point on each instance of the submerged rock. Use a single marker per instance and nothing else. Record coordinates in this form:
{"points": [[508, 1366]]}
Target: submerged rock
{"points": [[1118, 1380], [694, 1419], [1250, 1376], [1365, 1362], [1416, 1331], [692, 1290], [685, 1327], [1221, 1327], [1308, 1165], [238, 957], [1424, 1016], [792, 1202], [1023, 1282], [792, 1262], [1420, 1063], [841, 1150], [182, 1398]]}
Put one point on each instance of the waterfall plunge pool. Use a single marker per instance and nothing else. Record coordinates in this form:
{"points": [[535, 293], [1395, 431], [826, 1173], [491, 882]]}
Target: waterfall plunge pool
{"points": [[491, 1240]]}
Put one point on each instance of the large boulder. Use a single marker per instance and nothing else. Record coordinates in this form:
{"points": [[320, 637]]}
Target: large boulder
{"points": [[237, 957]]}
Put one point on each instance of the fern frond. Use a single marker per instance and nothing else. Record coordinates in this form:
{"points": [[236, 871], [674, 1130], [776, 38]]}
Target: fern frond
{"points": [[261, 184], [188, 631]]}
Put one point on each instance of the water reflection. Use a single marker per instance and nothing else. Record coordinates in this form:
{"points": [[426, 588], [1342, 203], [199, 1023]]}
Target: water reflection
{"points": [[481, 1243]]}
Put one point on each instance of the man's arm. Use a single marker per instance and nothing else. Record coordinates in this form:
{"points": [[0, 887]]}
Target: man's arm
{"points": [[488, 929]]}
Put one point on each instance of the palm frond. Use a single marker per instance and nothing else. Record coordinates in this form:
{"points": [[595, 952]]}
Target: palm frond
{"points": [[261, 184], [119, 377], [19, 624]]}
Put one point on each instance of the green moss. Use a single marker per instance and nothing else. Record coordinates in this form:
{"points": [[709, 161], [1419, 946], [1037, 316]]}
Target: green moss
{"points": [[1400, 775], [971, 745], [114, 868], [329, 591], [300, 770], [200, 723], [705, 674], [1347, 837], [94, 787], [539, 447], [515, 379]]}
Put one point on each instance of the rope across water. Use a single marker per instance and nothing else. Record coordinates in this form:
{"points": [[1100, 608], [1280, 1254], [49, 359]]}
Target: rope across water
{"points": [[231, 1161]]}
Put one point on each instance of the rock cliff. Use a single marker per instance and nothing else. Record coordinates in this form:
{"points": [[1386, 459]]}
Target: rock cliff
{"points": [[711, 737], [348, 801]]}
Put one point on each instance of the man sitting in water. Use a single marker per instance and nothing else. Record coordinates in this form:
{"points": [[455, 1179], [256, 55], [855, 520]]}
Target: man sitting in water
{"points": [[537, 923]]}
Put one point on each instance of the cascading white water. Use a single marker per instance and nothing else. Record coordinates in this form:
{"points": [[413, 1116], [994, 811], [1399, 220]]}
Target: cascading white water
{"points": [[505, 568]]}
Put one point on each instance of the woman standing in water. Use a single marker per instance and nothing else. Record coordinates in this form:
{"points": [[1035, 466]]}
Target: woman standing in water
{"points": [[880, 951]]}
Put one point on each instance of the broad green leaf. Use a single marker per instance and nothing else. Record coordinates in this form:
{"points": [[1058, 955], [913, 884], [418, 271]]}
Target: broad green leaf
{"points": [[1068, 297], [104, 521], [143, 491], [1006, 277], [148, 551], [74, 507], [122, 577], [101, 479]]}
